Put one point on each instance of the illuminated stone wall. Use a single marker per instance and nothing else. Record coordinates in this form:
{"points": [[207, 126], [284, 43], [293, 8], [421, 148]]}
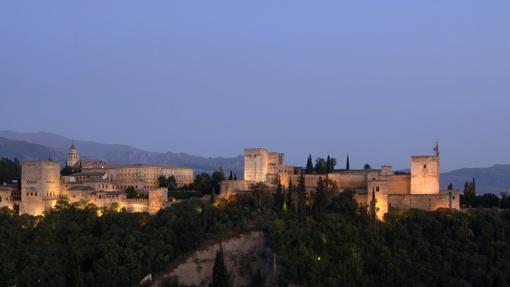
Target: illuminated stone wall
{"points": [[399, 184], [229, 188], [158, 199], [428, 202], [40, 186], [6, 197], [256, 164], [425, 175], [144, 177], [379, 188]]}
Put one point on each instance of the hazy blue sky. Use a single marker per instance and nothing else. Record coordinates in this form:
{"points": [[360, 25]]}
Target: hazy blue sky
{"points": [[378, 79]]}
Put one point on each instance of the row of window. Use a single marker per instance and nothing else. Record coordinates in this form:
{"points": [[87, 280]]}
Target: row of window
{"points": [[108, 196], [31, 193]]}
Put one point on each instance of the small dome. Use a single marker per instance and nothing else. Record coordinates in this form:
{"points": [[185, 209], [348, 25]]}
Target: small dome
{"points": [[72, 146]]}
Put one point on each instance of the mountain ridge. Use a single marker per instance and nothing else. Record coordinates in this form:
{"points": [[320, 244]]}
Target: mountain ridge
{"points": [[113, 153], [42, 145]]}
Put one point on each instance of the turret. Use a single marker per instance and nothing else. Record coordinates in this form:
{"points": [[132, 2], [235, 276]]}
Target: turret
{"points": [[72, 156]]}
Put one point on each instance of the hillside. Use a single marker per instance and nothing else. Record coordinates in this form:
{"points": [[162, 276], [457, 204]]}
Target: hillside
{"points": [[28, 151], [494, 179], [113, 153]]}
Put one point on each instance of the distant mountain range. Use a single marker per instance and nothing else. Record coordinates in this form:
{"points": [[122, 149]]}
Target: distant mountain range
{"points": [[44, 145], [494, 179]]}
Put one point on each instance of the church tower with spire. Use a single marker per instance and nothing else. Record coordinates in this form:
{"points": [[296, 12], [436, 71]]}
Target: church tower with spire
{"points": [[72, 156]]}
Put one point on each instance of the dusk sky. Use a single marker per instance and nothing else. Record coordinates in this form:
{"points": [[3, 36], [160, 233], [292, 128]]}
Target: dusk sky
{"points": [[380, 80]]}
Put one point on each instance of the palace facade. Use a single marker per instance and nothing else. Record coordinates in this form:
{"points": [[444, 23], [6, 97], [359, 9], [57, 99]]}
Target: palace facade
{"points": [[93, 181], [419, 188]]}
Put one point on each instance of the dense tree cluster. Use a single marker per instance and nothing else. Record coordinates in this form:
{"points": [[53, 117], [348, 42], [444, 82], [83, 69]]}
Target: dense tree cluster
{"points": [[412, 248], [322, 166], [319, 239], [68, 170], [9, 170], [168, 182], [76, 247], [208, 184], [470, 199]]}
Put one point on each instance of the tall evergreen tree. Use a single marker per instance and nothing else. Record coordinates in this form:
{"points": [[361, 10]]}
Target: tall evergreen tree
{"points": [[301, 189], [373, 207], [290, 202], [231, 177], [309, 165], [347, 163], [320, 199], [328, 164], [221, 276], [279, 197], [235, 176], [320, 165]]}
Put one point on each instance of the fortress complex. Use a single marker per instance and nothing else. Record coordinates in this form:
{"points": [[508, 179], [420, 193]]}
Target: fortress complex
{"points": [[420, 188], [94, 182]]}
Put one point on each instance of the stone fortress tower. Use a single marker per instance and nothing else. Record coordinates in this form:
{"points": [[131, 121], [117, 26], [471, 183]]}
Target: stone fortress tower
{"points": [[72, 156], [260, 165], [425, 173], [40, 186], [255, 164]]}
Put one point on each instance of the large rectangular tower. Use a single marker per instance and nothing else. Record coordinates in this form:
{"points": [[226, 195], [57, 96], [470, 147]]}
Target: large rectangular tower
{"points": [[40, 186], [425, 175], [255, 164]]}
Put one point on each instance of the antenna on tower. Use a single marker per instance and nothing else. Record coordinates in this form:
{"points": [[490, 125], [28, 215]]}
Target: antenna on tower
{"points": [[436, 149]]}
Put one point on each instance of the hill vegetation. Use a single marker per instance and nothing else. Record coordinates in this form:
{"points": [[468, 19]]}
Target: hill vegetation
{"points": [[327, 241]]}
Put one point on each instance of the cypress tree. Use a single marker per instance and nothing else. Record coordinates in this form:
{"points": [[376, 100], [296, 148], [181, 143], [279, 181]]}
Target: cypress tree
{"points": [[320, 200], [347, 163], [290, 203], [309, 165], [328, 164], [235, 176], [221, 276], [279, 196], [373, 206], [230, 177], [301, 197]]}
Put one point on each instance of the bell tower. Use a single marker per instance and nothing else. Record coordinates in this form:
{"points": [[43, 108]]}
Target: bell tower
{"points": [[72, 156]]}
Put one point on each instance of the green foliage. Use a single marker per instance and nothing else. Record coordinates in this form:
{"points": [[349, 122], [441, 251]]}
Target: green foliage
{"points": [[411, 248], [330, 164], [309, 165], [185, 194], [216, 178], [339, 245], [279, 196], [66, 170], [301, 191], [347, 163], [9, 170], [263, 197], [322, 197], [221, 276], [131, 192], [207, 184], [320, 165], [117, 249], [168, 182]]}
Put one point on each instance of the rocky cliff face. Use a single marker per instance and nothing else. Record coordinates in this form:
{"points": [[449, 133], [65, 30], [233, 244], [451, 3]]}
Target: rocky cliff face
{"points": [[247, 256]]}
